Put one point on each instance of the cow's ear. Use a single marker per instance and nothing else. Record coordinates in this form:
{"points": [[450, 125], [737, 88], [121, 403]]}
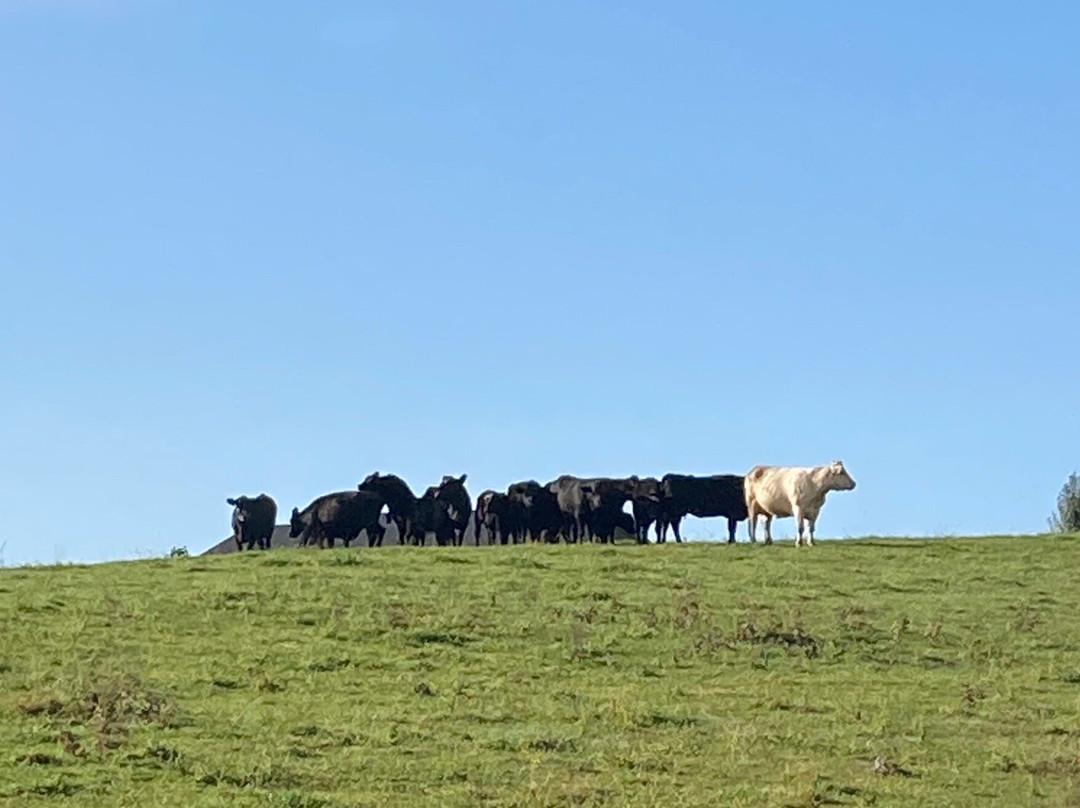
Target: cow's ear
{"points": [[295, 512], [231, 501], [461, 479]]}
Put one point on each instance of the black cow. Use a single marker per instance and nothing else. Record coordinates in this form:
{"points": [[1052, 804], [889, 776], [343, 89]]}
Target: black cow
{"points": [[499, 516], [431, 515], [682, 494], [451, 491], [605, 498], [253, 521], [646, 499], [541, 518], [399, 498], [343, 515], [570, 495]]}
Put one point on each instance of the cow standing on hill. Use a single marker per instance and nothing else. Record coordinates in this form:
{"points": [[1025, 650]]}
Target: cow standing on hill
{"points": [[452, 493], [431, 515], [343, 515], [253, 521], [499, 516], [606, 497], [799, 491], [399, 498], [718, 495], [541, 518], [570, 495], [648, 506]]}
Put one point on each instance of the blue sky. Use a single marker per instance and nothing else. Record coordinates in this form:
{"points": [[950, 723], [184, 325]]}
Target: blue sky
{"points": [[274, 246]]}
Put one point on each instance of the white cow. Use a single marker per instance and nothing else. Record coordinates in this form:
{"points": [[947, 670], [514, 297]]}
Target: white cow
{"points": [[797, 491]]}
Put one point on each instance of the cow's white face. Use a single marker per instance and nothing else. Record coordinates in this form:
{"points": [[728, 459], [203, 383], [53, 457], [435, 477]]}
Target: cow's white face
{"points": [[839, 479]]}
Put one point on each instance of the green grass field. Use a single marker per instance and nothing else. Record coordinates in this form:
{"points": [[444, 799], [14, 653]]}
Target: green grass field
{"points": [[569, 675]]}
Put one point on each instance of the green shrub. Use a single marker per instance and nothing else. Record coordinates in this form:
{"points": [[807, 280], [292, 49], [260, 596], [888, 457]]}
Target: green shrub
{"points": [[1067, 517]]}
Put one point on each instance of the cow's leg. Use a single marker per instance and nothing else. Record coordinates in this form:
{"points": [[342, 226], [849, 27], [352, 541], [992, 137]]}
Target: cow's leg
{"points": [[768, 528], [675, 528], [798, 514], [751, 522], [811, 521], [731, 525]]}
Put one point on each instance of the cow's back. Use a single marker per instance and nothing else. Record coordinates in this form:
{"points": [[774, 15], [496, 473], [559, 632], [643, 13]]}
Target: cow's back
{"points": [[718, 495], [773, 489]]}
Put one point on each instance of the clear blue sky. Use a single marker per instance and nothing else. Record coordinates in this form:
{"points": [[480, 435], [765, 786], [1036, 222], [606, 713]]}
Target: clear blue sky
{"points": [[273, 246]]}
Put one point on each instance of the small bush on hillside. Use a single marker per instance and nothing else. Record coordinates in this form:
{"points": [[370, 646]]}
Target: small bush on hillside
{"points": [[1067, 518], [179, 552]]}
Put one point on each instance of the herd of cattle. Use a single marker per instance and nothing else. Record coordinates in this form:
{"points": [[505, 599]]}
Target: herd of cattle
{"points": [[569, 508]]}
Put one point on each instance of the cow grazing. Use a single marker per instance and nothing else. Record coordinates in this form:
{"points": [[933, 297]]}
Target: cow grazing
{"points": [[399, 498], [253, 521], [799, 491], [541, 518], [499, 516], [451, 491], [682, 494], [343, 515], [646, 500], [625, 522]]}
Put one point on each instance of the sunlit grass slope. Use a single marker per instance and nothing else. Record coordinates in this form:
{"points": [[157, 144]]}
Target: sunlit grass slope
{"points": [[883, 672]]}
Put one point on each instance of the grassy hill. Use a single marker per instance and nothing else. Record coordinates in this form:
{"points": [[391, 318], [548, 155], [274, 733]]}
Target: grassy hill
{"points": [[877, 672]]}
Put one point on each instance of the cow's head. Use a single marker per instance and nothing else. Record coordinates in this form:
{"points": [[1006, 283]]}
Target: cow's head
{"points": [[839, 479], [296, 524], [647, 489], [523, 493], [449, 480], [371, 478]]}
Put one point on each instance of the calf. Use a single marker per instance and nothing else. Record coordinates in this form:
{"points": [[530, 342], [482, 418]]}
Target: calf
{"points": [[718, 495], [799, 491], [646, 501], [497, 514], [253, 521]]}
